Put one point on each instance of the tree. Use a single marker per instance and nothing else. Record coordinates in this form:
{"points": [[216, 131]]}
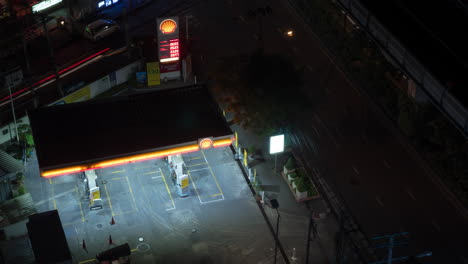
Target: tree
{"points": [[262, 92]]}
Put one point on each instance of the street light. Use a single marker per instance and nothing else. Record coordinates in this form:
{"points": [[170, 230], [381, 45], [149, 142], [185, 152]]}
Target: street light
{"points": [[275, 205], [290, 33]]}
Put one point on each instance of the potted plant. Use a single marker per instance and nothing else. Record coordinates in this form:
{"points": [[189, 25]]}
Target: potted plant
{"points": [[289, 166], [302, 185], [292, 176]]}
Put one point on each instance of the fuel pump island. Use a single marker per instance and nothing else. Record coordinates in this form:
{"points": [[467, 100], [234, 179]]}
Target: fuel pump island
{"points": [[179, 174]]}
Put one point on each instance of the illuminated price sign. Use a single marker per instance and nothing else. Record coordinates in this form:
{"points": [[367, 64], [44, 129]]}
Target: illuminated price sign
{"points": [[168, 36], [169, 50]]}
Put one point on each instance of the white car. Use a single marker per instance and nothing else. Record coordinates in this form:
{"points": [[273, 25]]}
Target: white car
{"points": [[100, 29]]}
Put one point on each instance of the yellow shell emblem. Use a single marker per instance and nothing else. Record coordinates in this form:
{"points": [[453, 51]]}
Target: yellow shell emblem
{"points": [[168, 26]]}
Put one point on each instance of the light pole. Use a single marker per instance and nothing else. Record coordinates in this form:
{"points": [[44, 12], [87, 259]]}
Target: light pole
{"points": [[275, 205], [13, 110]]}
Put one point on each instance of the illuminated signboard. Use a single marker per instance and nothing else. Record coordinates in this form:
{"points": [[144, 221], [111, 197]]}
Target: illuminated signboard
{"points": [[45, 4], [168, 36], [205, 143]]}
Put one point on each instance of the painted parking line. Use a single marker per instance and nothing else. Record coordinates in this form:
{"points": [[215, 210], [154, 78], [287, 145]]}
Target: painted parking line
{"points": [[198, 164], [195, 158], [212, 174], [152, 172], [121, 198], [194, 186], [87, 261], [153, 192], [198, 169], [50, 181], [53, 199], [117, 171], [167, 188], [68, 206], [108, 199]]}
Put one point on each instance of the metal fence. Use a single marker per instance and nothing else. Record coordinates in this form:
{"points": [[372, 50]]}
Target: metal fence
{"points": [[402, 58]]}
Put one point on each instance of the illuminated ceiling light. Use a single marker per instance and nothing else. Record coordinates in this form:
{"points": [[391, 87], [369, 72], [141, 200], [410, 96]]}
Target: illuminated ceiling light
{"points": [[290, 33], [222, 142]]}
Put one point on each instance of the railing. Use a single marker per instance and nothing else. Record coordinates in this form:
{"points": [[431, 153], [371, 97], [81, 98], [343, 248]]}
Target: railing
{"points": [[401, 57]]}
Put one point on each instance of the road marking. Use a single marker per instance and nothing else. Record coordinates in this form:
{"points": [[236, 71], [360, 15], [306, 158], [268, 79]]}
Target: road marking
{"points": [[387, 165], [355, 170], [377, 198], [53, 199], [151, 172], [132, 250], [108, 198], [50, 181], [196, 164], [117, 178], [86, 261], [156, 177], [212, 174], [435, 225], [194, 186], [131, 193], [79, 203], [198, 169], [117, 171], [218, 194], [195, 158], [408, 191], [327, 130], [167, 188], [169, 209]]}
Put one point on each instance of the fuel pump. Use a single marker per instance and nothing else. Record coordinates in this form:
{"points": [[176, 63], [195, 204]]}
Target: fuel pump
{"points": [[92, 189], [179, 174]]}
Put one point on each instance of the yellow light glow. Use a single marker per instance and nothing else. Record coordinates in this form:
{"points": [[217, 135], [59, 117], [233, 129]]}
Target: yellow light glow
{"points": [[206, 143], [222, 142], [119, 161], [290, 33]]}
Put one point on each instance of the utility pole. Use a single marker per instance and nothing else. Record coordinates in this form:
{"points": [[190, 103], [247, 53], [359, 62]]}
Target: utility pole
{"points": [[13, 111]]}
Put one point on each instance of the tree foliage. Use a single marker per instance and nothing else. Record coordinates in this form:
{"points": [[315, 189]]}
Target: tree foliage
{"points": [[262, 91]]}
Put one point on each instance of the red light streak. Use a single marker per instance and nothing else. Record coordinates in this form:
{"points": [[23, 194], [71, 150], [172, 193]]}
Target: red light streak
{"points": [[53, 75]]}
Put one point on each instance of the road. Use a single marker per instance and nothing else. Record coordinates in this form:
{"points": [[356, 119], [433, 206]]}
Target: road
{"points": [[382, 183]]}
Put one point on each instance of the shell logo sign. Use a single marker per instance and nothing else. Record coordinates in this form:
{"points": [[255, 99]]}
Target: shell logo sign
{"points": [[168, 26], [206, 143]]}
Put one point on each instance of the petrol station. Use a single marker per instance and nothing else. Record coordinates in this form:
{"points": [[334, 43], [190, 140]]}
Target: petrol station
{"points": [[81, 138]]}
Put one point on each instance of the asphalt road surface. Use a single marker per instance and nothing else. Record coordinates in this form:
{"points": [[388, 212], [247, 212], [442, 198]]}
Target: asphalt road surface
{"points": [[383, 184]]}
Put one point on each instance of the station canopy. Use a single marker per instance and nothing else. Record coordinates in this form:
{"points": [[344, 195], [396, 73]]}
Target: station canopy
{"points": [[112, 131]]}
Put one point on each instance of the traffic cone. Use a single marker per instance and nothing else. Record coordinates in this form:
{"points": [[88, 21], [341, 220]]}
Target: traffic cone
{"points": [[110, 240], [112, 221], [84, 246]]}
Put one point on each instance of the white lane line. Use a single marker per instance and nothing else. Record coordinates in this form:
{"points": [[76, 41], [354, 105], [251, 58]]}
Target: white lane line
{"points": [[408, 191], [377, 198], [170, 209], [327, 130], [387, 165], [355, 170], [435, 225], [156, 177]]}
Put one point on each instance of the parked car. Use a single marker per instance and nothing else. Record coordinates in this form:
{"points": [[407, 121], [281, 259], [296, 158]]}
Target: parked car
{"points": [[100, 29]]}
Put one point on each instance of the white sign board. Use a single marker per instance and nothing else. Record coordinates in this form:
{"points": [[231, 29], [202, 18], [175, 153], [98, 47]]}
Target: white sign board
{"points": [[44, 4], [276, 144]]}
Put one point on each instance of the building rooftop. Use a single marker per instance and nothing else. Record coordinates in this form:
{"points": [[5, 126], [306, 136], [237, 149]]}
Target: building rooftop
{"points": [[100, 129]]}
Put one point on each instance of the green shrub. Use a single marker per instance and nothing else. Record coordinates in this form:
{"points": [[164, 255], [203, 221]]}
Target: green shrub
{"points": [[290, 164]]}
